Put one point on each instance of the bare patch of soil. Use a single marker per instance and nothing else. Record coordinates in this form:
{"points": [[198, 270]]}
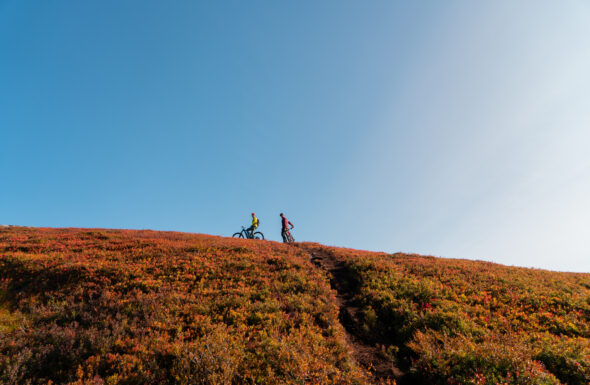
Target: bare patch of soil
{"points": [[371, 357]]}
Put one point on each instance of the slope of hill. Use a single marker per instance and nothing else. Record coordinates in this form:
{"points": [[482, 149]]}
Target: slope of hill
{"points": [[143, 307], [468, 322], [85, 306]]}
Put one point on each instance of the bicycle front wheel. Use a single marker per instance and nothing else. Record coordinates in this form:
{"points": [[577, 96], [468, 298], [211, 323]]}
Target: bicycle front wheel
{"points": [[238, 235], [258, 235]]}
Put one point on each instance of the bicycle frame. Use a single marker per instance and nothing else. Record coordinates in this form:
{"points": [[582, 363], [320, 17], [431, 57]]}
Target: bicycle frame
{"points": [[247, 234]]}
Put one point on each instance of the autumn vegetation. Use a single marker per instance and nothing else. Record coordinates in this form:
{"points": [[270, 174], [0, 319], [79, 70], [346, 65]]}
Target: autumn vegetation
{"points": [[94, 306], [448, 321], [144, 307]]}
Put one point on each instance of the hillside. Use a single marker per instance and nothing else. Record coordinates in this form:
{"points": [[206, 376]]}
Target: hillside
{"points": [[450, 321], [94, 306]]}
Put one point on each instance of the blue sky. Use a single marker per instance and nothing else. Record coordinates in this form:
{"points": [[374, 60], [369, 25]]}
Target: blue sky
{"points": [[456, 129]]}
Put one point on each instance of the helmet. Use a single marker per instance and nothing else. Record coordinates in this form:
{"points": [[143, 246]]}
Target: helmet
{"points": [[253, 214]]}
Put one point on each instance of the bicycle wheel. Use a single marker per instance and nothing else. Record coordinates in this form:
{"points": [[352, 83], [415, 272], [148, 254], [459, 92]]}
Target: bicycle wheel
{"points": [[238, 235], [258, 235], [291, 239]]}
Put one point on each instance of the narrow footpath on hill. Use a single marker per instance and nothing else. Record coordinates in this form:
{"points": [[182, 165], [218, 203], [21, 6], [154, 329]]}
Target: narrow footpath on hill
{"points": [[366, 354]]}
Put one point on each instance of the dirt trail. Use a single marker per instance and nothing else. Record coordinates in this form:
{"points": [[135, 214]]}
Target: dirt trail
{"points": [[367, 355]]}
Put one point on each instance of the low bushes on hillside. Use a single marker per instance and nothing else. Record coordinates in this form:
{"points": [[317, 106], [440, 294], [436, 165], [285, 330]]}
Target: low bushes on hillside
{"points": [[143, 307], [465, 322]]}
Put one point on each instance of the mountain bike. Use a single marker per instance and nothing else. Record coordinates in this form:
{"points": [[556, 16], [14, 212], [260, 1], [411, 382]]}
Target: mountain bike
{"points": [[248, 234], [287, 236]]}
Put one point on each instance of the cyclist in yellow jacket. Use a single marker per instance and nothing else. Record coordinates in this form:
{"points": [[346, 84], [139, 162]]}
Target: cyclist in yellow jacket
{"points": [[255, 223]]}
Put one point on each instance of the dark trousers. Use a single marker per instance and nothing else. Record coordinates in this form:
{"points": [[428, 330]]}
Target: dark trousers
{"points": [[250, 231], [285, 235]]}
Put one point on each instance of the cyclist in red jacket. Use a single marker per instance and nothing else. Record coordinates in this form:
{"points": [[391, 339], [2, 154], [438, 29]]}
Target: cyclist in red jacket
{"points": [[285, 233]]}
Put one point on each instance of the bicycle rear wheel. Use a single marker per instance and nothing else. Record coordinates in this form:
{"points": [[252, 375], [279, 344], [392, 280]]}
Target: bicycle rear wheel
{"points": [[238, 235], [258, 235]]}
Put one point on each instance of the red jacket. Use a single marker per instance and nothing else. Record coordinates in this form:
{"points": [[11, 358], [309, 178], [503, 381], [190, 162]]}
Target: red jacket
{"points": [[285, 222]]}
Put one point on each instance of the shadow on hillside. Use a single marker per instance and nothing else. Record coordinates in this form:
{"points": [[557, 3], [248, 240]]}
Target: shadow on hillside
{"points": [[27, 278]]}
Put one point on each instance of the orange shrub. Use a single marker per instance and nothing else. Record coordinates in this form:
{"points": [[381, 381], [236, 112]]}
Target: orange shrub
{"points": [[145, 307], [470, 322]]}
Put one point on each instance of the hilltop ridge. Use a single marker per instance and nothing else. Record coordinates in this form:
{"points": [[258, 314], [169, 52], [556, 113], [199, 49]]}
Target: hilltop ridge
{"points": [[99, 306]]}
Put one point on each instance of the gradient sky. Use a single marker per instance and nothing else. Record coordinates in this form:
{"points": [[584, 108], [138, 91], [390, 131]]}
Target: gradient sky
{"points": [[456, 129]]}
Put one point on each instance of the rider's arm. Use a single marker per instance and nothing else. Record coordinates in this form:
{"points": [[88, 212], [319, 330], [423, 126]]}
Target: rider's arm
{"points": [[292, 226]]}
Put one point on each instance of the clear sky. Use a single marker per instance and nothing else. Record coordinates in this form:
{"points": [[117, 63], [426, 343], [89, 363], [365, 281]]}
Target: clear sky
{"points": [[455, 129]]}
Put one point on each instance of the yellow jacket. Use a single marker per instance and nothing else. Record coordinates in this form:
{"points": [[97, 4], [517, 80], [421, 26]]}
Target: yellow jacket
{"points": [[254, 222]]}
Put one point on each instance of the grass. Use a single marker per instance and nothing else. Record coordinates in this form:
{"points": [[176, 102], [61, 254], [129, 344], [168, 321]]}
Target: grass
{"points": [[144, 307], [466, 322], [95, 306], [9, 320]]}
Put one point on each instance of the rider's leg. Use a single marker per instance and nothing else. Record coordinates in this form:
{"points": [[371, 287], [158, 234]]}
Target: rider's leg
{"points": [[284, 235]]}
